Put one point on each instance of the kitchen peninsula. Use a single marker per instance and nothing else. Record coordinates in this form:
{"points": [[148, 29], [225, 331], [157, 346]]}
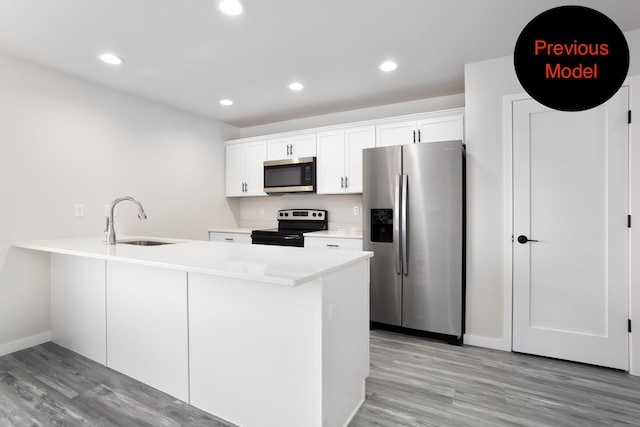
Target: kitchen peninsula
{"points": [[257, 335]]}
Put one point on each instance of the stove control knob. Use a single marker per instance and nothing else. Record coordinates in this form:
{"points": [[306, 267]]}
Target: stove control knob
{"points": [[320, 214], [286, 214], [281, 214], [314, 214]]}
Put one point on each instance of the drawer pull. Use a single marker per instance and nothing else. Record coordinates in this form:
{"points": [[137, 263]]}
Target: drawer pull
{"points": [[333, 246], [228, 239]]}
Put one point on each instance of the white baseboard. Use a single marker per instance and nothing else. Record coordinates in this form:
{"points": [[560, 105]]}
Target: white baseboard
{"points": [[23, 343], [486, 342]]}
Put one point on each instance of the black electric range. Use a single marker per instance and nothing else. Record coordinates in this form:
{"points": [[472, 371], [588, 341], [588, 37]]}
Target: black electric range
{"points": [[292, 224]]}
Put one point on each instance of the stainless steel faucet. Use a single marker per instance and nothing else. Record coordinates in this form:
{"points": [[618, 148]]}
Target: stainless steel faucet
{"points": [[110, 231]]}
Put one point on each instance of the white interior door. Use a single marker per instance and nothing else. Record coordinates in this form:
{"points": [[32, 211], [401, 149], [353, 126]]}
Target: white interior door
{"points": [[570, 195]]}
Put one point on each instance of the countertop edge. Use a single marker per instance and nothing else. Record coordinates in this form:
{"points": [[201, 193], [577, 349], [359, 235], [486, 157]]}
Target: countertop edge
{"points": [[39, 246]]}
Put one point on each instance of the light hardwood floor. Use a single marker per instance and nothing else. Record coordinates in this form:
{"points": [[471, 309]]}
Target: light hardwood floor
{"points": [[413, 382]]}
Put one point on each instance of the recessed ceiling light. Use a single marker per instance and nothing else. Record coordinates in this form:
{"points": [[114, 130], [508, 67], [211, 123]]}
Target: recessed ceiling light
{"points": [[230, 7], [226, 102], [388, 66], [111, 59], [296, 86]]}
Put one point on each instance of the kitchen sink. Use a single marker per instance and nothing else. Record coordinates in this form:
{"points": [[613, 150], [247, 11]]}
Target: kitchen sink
{"points": [[145, 242]]}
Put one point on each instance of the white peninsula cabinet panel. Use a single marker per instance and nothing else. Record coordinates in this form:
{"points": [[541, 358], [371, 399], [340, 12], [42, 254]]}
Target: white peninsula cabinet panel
{"points": [[339, 163], [244, 335], [147, 326], [292, 146], [78, 305], [244, 169]]}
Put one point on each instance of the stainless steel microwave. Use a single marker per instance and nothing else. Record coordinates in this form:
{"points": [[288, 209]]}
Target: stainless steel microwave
{"points": [[296, 175]]}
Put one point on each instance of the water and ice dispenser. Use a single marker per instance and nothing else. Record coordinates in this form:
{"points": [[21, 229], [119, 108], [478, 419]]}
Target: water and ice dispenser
{"points": [[382, 225]]}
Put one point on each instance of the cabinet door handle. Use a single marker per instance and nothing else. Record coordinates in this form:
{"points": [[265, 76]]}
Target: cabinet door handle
{"points": [[291, 149], [333, 246], [346, 182], [228, 239], [342, 182], [414, 136], [419, 137]]}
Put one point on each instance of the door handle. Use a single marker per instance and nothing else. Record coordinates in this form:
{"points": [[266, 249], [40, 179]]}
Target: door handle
{"points": [[396, 224], [405, 224], [524, 239]]}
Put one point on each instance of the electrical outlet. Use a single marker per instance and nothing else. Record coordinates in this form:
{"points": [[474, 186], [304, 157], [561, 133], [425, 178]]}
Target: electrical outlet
{"points": [[356, 210], [261, 210], [334, 309], [79, 210]]}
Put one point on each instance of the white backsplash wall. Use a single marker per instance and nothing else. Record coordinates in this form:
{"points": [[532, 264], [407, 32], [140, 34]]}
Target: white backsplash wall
{"points": [[340, 208]]}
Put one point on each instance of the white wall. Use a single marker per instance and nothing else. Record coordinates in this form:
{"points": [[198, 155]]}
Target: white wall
{"points": [[486, 84], [339, 207], [65, 141]]}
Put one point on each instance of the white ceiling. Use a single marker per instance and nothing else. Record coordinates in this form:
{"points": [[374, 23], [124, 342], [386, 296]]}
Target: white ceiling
{"points": [[184, 53]]}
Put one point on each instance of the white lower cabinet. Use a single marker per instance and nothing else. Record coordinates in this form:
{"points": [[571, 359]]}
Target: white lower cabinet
{"points": [[78, 305], [219, 236], [332, 243], [147, 326]]}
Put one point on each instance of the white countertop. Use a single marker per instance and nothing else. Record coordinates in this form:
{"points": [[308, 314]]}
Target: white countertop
{"points": [[260, 263]]}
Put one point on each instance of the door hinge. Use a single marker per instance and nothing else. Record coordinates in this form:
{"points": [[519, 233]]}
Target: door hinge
{"points": [[629, 117], [629, 325], [628, 221]]}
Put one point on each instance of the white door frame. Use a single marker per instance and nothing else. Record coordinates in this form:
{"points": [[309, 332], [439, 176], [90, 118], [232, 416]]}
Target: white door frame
{"points": [[634, 257]]}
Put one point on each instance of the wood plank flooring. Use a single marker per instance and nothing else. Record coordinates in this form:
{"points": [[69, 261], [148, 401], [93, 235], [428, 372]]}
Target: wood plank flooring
{"points": [[413, 382]]}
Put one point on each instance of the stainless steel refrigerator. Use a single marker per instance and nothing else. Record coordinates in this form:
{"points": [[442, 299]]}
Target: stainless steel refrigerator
{"points": [[413, 207]]}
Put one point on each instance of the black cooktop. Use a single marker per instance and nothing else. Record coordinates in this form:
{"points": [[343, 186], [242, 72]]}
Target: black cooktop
{"points": [[292, 224]]}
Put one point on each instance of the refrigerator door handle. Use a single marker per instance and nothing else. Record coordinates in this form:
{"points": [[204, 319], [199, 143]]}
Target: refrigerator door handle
{"points": [[405, 224], [396, 224]]}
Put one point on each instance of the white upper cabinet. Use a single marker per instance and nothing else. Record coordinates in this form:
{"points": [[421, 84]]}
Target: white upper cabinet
{"points": [[430, 128], [338, 149], [330, 164], [245, 165], [444, 128], [292, 146], [339, 163], [398, 133]]}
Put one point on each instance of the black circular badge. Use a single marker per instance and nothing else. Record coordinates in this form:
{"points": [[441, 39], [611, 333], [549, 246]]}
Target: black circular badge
{"points": [[571, 58]]}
